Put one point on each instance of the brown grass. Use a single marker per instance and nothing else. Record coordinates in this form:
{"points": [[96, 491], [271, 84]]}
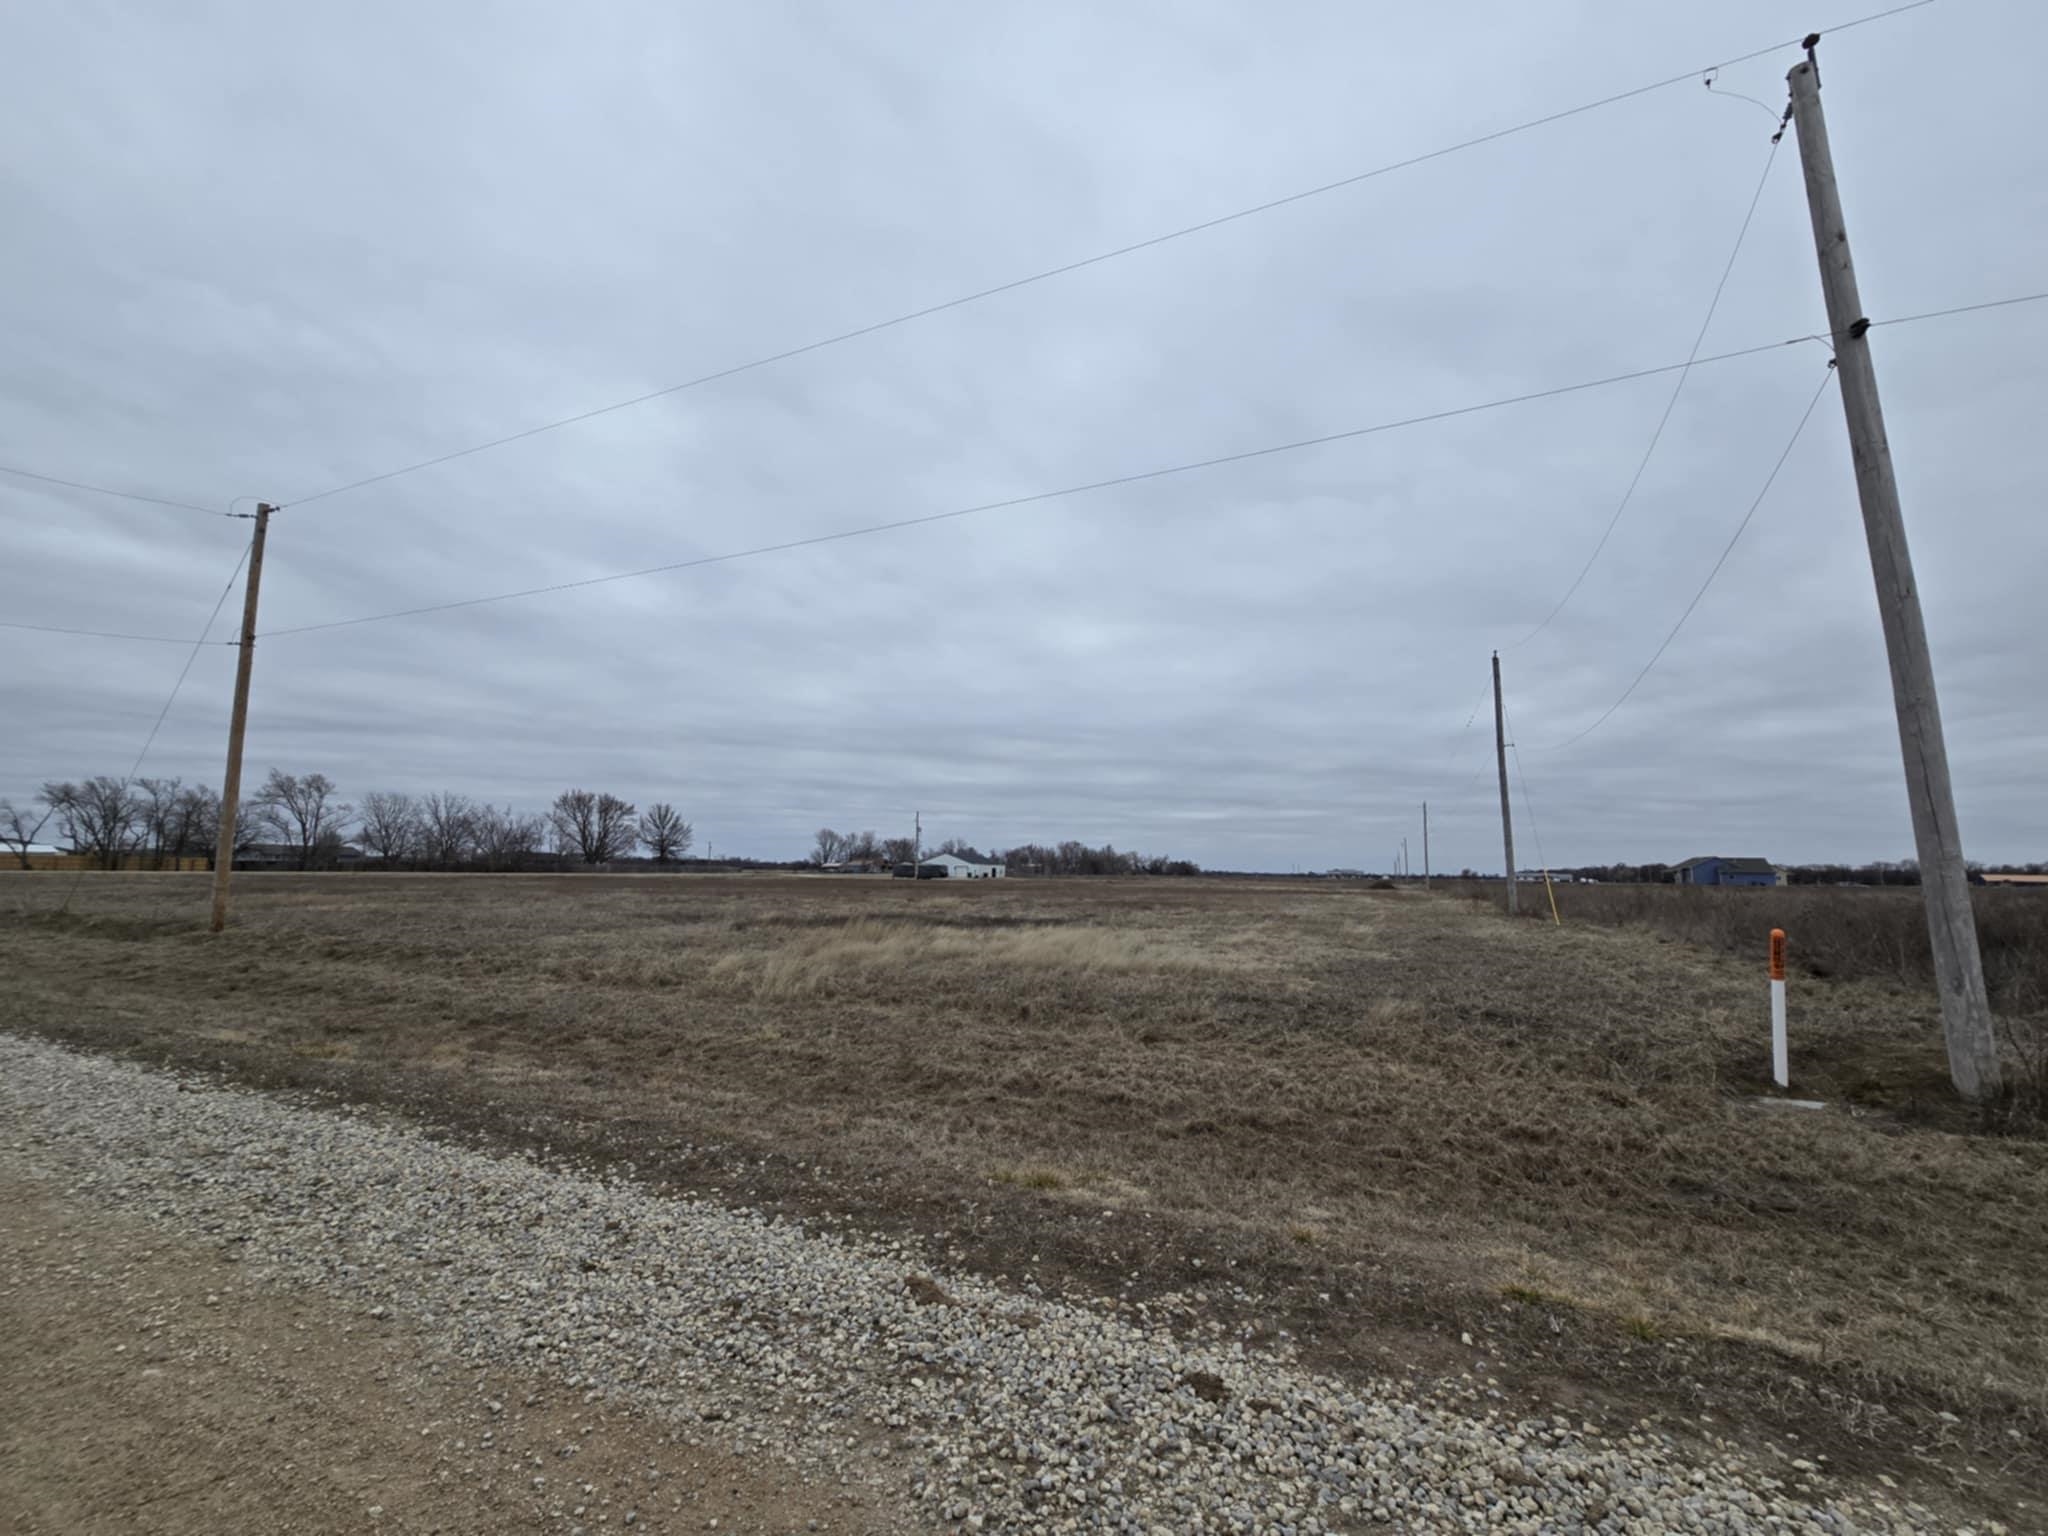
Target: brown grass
{"points": [[1866, 934], [1390, 1119]]}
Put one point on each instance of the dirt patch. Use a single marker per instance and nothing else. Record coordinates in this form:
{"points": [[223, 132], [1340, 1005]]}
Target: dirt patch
{"points": [[150, 1389]]}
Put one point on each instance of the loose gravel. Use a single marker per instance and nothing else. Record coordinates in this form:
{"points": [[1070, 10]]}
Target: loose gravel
{"points": [[1002, 1412]]}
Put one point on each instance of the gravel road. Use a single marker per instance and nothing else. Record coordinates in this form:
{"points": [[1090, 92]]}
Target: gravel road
{"points": [[841, 1360]]}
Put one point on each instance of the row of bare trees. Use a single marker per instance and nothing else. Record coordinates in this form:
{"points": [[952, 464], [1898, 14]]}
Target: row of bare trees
{"points": [[451, 831], [302, 820], [446, 831], [116, 822], [830, 847], [1077, 858], [1068, 858]]}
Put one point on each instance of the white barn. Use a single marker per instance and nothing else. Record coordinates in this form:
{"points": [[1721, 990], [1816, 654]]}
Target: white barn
{"points": [[957, 868]]}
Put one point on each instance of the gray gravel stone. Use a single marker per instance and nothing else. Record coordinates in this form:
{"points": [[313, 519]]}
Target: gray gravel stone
{"points": [[1000, 1412]]}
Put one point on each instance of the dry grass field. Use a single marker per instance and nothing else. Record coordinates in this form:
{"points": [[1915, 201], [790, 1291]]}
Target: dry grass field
{"points": [[1377, 1119]]}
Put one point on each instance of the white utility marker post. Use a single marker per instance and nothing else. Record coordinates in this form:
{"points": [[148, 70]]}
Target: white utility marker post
{"points": [[1781, 1067]]}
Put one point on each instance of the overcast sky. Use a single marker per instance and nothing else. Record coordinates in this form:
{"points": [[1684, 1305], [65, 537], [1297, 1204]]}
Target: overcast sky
{"points": [[257, 250]]}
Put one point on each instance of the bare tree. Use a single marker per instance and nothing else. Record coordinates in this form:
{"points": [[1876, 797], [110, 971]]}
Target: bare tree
{"points": [[99, 817], [18, 829], [829, 846], [447, 830], [861, 847], [505, 839], [192, 823], [666, 835], [156, 803], [597, 828], [899, 850], [198, 823], [304, 813], [389, 825]]}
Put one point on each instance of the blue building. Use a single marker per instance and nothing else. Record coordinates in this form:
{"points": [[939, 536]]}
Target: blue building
{"points": [[1719, 869]]}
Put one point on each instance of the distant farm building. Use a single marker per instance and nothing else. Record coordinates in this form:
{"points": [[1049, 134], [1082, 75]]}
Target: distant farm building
{"points": [[2025, 882], [1719, 869], [950, 866]]}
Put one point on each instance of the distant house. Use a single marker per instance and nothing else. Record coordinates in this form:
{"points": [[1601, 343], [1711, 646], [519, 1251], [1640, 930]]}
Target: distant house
{"points": [[1719, 869], [950, 866]]}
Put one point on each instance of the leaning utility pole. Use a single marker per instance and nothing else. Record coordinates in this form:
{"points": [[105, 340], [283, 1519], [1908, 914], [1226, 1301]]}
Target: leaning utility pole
{"points": [[1425, 845], [231, 782], [1500, 751], [1958, 968]]}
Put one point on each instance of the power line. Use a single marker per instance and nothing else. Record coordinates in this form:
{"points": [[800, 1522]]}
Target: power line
{"points": [[103, 634], [1066, 268], [1670, 405], [1727, 550], [171, 698], [1037, 496], [1962, 309], [1151, 474], [1529, 815], [108, 490], [1528, 806], [190, 657], [1114, 481]]}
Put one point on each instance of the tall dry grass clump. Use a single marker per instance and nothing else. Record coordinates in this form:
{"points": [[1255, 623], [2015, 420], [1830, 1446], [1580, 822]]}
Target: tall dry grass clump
{"points": [[1851, 932], [1848, 933]]}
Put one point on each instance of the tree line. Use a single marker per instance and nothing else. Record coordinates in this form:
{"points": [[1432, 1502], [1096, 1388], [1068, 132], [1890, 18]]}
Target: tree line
{"points": [[1068, 858], [302, 821]]}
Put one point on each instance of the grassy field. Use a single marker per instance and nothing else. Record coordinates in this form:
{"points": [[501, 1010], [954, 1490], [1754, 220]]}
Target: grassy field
{"points": [[1834, 930], [1376, 1119]]}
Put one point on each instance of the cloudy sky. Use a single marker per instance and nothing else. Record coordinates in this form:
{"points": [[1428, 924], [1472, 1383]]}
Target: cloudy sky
{"points": [[260, 251]]}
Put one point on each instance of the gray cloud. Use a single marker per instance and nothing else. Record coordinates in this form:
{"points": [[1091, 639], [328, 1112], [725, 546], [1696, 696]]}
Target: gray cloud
{"points": [[252, 252]]}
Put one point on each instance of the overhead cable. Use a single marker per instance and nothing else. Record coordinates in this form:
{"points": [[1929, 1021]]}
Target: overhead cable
{"points": [[1727, 550], [104, 634], [1045, 275], [108, 490], [1670, 405], [1038, 496]]}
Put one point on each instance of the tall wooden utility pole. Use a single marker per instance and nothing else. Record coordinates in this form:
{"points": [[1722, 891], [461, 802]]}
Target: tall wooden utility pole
{"points": [[231, 782], [1500, 751], [1944, 883], [1425, 845]]}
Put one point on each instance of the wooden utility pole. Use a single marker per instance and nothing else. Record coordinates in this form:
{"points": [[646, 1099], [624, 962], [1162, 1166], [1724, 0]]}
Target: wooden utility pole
{"points": [[1500, 751], [1425, 845], [231, 782], [1944, 883]]}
